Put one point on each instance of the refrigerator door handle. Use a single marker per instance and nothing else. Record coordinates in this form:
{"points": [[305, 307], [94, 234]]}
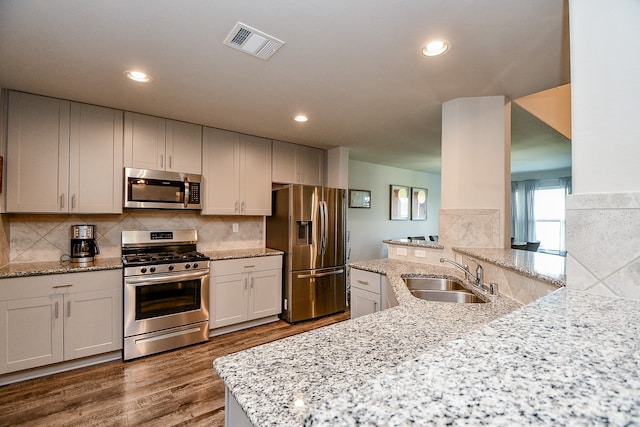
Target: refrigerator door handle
{"points": [[323, 227], [314, 275]]}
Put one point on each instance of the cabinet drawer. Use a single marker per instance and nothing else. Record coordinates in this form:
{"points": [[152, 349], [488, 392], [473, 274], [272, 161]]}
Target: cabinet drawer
{"points": [[245, 265], [365, 280]]}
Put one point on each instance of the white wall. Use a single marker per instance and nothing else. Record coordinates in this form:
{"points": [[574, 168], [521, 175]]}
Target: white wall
{"points": [[605, 70], [369, 227], [603, 213]]}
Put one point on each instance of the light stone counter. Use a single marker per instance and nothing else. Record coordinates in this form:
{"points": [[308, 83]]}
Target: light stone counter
{"points": [[537, 265], [320, 365], [242, 253], [62, 267], [570, 358], [57, 267]]}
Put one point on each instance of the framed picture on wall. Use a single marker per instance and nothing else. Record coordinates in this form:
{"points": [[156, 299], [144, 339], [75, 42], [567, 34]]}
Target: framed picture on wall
{"points": [[400, 203], [418, 204], [359, 199]]}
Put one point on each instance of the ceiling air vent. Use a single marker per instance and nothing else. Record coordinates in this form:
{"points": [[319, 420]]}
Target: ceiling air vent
{"points": [[251, 41]]}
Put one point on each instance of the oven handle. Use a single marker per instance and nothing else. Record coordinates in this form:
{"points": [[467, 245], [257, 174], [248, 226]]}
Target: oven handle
{"points": [[164, 279]]}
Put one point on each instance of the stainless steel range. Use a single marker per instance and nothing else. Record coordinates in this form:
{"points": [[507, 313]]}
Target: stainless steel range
{"points": [[166, 291]]}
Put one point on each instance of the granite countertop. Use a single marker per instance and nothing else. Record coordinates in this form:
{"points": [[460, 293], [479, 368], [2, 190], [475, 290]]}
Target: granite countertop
{"points": [[322, 364], [61, 267], [570, 358], [242, 253], [414, 243], [56, 267], [537, 265]]}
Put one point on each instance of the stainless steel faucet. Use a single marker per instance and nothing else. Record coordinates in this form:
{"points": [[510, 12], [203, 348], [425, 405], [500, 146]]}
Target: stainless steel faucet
{"points": [[479, 276]]}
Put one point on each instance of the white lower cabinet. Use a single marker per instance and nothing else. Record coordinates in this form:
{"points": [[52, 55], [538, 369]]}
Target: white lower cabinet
{"points": [[245, 289], [370, 292], [55, 318]]}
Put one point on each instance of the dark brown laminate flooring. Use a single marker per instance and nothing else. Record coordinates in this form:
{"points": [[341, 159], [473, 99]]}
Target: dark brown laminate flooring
{"points": [[179, 387]]}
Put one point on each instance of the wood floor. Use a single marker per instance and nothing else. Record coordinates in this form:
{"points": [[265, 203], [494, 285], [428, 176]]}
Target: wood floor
{"points": [[169, 389]]}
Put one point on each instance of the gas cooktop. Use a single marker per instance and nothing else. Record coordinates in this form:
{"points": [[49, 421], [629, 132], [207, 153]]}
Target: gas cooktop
{"points": [[162, 258]]}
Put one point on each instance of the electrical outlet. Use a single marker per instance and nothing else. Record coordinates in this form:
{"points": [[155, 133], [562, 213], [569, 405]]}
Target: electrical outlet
{"points": [[401, 251], [419, 253], [235, 227]]}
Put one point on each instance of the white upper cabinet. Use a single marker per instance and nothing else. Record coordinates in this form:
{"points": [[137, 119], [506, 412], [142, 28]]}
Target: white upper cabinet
{"points": [[63, 156], [161, 144], [236, 170], [95, 159], [297, 164]]}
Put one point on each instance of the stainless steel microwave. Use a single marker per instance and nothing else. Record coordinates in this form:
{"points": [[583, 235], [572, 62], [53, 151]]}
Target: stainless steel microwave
{"points": [[153, 189]]}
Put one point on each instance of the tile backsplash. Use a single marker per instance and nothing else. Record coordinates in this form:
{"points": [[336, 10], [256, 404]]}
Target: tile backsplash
{"points": [[603, 248], [34, 238]]}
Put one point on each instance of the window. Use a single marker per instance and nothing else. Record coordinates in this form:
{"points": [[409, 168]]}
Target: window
{"points": [[538, 212]]}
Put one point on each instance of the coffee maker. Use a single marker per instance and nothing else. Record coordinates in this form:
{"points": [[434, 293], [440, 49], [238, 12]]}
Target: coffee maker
{"points": [[84, 246]]}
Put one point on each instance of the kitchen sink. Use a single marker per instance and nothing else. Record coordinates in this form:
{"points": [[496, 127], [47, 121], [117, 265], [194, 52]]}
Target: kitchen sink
{"points": [[447, 296], [433, 284], [440, 290]]}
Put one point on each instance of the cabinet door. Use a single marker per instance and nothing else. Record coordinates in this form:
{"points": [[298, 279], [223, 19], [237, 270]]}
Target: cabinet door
{"points": [[363, 302], [310, 163], [93, 323], [228, 300], [255, 176], [183, 147], [144, 141], [37, 154], [31, 332], [220, 172], [284, 163], [266, 293], [95, 159]]}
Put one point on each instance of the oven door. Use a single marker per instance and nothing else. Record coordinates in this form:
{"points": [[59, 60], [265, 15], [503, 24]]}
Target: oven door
{"points": [[154, 303]]}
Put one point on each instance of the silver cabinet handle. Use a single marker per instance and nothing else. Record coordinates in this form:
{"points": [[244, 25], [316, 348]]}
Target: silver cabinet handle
{"points": [[252, 283], [73, 201], [170, 161], [249, 266], [245, 283], [161, 161], [235, 209], [55, 310], [242, 207], [363, 282], [68, 308], [62, 201], [62, 286]]}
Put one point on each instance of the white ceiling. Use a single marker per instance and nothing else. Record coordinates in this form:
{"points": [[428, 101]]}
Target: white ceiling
{"points": [[353, 66]]}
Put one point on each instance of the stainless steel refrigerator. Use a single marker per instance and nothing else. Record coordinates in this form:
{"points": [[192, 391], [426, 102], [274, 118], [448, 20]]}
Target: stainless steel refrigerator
{"points": [[308, 223]]}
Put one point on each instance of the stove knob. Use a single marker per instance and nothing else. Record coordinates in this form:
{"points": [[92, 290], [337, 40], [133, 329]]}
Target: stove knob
{"points": [[187, 266], [170, 268], [195, 265], [152, 269], [143, 270]]}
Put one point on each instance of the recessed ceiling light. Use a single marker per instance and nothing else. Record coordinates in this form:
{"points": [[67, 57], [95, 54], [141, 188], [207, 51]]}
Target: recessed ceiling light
{"points": [[436, 48], [137, 76], [301, 118]]}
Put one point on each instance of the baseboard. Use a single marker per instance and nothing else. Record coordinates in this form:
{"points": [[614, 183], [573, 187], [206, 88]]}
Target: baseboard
{"points": [[243, 325], [30, 374]]}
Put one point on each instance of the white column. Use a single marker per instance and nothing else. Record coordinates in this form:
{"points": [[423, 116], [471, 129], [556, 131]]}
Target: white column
{"points": [[475, 196], [603, 214]]}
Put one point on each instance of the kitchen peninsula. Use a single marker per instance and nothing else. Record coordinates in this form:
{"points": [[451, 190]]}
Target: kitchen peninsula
{"points": [[568, 357]]}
